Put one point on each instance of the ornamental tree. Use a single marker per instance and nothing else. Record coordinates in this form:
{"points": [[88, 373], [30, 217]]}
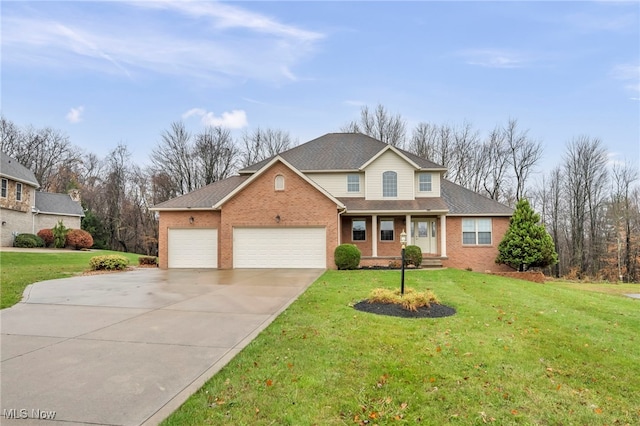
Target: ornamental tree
{"points": [[527, 243]]}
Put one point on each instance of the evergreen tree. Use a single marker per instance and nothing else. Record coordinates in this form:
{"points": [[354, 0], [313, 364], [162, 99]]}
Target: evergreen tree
{"points": [[527, 243]]}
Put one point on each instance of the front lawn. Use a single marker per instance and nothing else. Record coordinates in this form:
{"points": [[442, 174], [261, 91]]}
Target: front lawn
{"points": [[19, 269], [514, 353]]}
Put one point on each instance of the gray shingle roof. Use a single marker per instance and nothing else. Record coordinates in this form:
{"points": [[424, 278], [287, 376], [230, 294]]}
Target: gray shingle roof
{"points": [[419, 204], [337, 151], [61, 204], [205, 197], [463, 201], [12, 169]]}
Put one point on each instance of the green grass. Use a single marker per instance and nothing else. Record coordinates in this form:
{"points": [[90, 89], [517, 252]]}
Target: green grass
{"points": [[515, 353], [19, 269]]}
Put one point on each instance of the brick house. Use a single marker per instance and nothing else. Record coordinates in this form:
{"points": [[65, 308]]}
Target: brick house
{"points": [[292, 210], [24, 209]]}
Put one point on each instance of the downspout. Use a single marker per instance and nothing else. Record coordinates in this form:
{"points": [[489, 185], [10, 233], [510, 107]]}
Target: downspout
{"points": [[34, 212]]}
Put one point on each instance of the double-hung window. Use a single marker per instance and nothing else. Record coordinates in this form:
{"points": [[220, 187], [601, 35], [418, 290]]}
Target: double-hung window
{"points": [[425, 182], [389, 184], [358, 230], [476, 231], [353, 183], [386, 230], [5, 183], [18, 191]]}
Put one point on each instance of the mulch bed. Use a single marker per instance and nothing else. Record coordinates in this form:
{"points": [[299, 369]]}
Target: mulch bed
{"points": [[394, 310]]}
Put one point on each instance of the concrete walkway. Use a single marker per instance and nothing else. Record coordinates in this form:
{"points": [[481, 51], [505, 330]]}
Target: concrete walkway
{"points": [[129, 348]]}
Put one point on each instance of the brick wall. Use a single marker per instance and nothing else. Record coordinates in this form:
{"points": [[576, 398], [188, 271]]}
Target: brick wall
{"points": [[478, 258], [180, 219], [300, 204]]}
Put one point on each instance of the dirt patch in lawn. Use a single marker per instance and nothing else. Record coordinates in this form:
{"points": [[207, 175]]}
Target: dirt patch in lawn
{"points": [[392, 309], [536, 277]]}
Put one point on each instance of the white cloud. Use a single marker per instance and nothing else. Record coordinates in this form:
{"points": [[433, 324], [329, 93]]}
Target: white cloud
{"points": [[495, 58], [219, 43], [75, 115], [236, 119], [630, 75]]}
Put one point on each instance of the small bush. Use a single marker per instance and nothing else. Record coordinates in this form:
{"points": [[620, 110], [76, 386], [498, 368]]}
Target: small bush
{"points": [[148, 260], [347, 256], [411, 301], [111, 262], [28, 241], [59, 235], [47, 237], [413, 256], [79, 239]]}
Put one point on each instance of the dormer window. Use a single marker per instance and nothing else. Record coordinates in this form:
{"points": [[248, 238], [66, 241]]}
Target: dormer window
{"points": [[279, 183], [353, 183], [389, 184], [425, 182]]}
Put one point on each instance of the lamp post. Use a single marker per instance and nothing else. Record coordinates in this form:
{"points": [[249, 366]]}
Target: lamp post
{"points": [[403, 241]]}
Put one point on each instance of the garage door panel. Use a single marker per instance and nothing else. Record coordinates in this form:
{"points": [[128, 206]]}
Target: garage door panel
{"points": [[193, 248], [279, 247]]}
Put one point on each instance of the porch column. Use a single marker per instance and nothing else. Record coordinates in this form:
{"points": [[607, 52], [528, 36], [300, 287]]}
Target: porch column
{"points": [[374, 235], [407, 229], [443, 235]]}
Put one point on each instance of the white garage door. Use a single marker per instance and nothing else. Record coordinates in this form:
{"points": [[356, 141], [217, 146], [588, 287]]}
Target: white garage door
{"points": [[279, 247], [193, 248]]}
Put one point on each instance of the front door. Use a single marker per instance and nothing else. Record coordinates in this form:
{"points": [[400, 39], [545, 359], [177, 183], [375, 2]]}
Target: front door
{"points": [[424, 235]]}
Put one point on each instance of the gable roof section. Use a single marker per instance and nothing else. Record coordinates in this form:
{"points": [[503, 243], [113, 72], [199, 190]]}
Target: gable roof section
{"points": [[340, 152], [10, 168], [203, 198], [274, 160], [465, 202], [58, 204]]}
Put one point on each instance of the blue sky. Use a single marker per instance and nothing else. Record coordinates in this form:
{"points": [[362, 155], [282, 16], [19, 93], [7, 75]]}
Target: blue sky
{"points": [[122, 72]]}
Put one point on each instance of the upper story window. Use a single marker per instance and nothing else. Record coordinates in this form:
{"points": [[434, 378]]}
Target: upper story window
{"points": [[353, 183], [18, 191], [279, 183], [358, 230], [4, 188], [389, 184], [476, 231], [425, 182]]}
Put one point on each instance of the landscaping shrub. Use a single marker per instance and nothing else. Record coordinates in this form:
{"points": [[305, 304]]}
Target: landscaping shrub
{"points": [[347, 256], [411, 301], [109, 262], [148, 260], [79, 239], [47, 237], [413, 256], [28, 241], [59, 235]]}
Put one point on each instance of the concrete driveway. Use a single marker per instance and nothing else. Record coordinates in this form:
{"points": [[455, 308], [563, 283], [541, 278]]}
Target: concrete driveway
{"points": [[129, 348]]}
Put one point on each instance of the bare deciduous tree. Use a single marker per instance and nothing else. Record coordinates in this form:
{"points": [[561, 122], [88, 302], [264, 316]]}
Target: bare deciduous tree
{"points": [[261, 144], [524, 155], [174, 157], [215, 154], [379, 124]]}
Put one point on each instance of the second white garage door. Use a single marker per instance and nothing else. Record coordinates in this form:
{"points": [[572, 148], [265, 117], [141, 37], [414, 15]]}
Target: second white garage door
{"points": [[279, 247], [193, 248]]}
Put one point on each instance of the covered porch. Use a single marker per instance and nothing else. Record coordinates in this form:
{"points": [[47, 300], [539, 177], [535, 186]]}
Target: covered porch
{"points": [[377, 232]]}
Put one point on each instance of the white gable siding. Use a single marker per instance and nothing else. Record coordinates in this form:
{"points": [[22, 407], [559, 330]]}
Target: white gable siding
{"points": [[390, 161], [336, 183], [435, 185]]}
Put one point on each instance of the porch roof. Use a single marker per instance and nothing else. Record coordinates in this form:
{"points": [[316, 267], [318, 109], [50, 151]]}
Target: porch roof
{"points": [[419, 205]]}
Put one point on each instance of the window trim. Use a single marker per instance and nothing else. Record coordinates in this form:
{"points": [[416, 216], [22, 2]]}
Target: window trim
{"points": [[429, 182], [5, 188], [18, 191], [349, 184], [278, 183], [365, 229], [386, 183], [477, 232], [393, 229]]}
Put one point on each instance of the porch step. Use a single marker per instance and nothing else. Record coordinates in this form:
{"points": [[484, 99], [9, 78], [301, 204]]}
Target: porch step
{"points": [[430, 262]]}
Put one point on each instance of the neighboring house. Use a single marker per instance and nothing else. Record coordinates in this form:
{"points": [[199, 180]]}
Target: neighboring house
{"points": [[294, 209], [23, 209]]}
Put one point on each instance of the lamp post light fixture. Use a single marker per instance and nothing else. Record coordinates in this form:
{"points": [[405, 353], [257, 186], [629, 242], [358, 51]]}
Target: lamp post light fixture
{"points": [[403, 241]]}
